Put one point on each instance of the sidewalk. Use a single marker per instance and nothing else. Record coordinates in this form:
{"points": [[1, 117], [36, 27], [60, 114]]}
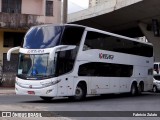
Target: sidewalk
{"points": [[7, 91]]}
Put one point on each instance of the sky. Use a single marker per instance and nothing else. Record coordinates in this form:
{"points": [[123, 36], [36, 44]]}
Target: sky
{"points": [[77, 5]]}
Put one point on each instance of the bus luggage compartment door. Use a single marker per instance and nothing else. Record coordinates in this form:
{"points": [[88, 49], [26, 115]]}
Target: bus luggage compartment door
{"points": [[100, 85]]}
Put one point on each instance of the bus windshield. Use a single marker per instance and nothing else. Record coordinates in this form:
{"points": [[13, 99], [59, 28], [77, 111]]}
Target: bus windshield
{"points": [[44, 37], [35, 66]]}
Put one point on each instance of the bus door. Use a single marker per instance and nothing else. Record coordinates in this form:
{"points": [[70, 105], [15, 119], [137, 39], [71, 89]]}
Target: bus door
{"points": [[124, 84], [64, 69], [114, 84]]}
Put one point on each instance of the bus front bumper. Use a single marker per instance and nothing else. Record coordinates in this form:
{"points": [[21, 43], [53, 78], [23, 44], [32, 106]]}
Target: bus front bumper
{"points": [[50, 91]]}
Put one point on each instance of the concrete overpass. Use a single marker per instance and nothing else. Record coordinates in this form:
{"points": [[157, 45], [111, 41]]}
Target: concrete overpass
{"points": [[132, 18]]}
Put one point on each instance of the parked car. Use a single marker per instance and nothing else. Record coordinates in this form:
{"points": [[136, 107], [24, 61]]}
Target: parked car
{"points": [[156, 83]]}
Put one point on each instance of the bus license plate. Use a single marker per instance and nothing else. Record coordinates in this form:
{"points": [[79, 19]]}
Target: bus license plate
{"points": [[31, 92]]}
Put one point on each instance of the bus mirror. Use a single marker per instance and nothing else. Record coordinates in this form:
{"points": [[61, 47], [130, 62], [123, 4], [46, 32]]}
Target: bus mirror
{"points": [[60, 48], [10, 51]]}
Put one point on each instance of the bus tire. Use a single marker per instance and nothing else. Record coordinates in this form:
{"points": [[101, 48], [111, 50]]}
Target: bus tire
{"points": [[80, 93], [140, 88], [134, 89], [46, 98], [154, 89]]}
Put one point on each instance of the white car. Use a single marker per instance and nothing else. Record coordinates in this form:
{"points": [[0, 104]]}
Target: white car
{"points": [[156, 83]]}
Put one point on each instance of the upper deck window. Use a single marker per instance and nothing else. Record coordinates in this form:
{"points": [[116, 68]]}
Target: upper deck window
{"points": [[72, 35], [95, 40], [41, 37]]}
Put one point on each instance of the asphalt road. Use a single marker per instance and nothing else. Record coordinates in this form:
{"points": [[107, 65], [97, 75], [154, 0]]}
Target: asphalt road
{"points": [[119, 102]]}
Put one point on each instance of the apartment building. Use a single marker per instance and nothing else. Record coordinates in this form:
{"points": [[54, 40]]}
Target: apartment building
{"points": [[16, 17]]}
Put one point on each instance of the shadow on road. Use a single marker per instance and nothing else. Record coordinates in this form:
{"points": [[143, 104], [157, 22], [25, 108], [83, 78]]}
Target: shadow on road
{"points": [[97, 98]]}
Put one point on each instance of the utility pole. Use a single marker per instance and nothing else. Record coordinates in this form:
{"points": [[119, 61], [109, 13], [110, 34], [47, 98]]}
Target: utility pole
{"points": [[65, 10]]}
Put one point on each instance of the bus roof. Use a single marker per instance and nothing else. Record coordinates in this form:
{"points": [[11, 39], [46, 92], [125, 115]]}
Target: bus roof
{"points": [[94, 29]]}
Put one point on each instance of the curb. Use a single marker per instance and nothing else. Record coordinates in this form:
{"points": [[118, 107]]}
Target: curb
{"points": [[7, 91]]}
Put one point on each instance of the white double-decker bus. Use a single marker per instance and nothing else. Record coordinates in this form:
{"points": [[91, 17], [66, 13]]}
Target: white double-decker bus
{"points": [[74, 61]]}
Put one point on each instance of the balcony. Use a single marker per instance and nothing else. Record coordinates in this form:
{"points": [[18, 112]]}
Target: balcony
{"points": [[19, 21]]}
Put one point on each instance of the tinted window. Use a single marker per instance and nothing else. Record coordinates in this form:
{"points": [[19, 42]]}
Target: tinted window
{"points": [[72, 35], [42, 37], [105, 70], [101, 41], [65, 61]]}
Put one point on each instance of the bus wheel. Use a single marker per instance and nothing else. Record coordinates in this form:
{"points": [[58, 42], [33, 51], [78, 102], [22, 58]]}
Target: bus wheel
{"points": [[134, 90], [80, 93], [154, 89], [140, 88], [46, 98]]}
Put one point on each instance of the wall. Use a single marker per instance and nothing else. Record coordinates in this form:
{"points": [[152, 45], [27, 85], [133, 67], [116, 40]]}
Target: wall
{"points": [[56, 18], [3, 50], [57, 10], [33, 7], [37, 7]]}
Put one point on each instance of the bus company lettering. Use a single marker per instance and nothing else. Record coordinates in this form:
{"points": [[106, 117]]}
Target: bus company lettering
{"points": [[106, 56], [35, 51]]}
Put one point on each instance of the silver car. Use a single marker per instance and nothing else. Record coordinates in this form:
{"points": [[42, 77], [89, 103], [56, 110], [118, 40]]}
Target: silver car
{"points": [[156, 83]]}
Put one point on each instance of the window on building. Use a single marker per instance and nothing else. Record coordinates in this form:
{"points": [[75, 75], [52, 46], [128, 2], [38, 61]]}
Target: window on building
{"points": [[49, 8], [11, 6], [13, 39]]}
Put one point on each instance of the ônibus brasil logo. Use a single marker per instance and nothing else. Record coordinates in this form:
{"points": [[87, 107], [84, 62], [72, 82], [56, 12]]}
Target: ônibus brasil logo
{"points": [[106, 56]]}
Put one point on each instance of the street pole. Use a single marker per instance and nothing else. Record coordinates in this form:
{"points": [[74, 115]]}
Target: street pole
{"points": [[65, 10]]}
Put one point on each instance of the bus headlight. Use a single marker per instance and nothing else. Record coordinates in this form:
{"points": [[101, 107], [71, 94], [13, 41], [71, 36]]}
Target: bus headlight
{"points": [[47, 84]]}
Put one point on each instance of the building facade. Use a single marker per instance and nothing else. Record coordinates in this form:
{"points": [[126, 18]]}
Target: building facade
{"points": [[16, 17]]}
